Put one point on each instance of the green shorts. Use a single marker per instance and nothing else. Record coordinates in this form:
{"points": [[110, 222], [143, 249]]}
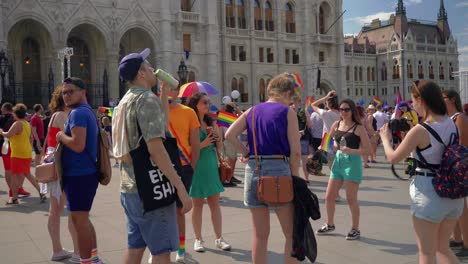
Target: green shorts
{"points": [[347, 167]]}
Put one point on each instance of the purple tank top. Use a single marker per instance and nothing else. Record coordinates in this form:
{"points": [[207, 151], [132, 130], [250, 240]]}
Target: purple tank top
{"points": [[271, 125]]}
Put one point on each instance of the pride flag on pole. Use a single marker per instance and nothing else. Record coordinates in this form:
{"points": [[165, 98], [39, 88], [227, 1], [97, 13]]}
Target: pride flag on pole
{"points": [[309, 102], [377, 101], [108, 110], [226, 119], [327, 143], [399, 98]]}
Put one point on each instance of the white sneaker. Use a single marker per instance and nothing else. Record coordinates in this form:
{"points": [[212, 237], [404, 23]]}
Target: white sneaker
{"points": [[180, 258], [61, 255], [222, 244], [199, 246], [75, 258], [150, 259]]}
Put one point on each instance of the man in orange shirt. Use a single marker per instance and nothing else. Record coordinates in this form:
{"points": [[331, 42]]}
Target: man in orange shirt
{"points": [[184, 127]]}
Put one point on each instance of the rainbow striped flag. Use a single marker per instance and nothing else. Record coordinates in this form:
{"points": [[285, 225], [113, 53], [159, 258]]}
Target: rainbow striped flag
{"points": [[226, 119], [183, 152], [309, 102], [327, 143], [296, 79], [377, 101], [170, 98], [110, 110]]}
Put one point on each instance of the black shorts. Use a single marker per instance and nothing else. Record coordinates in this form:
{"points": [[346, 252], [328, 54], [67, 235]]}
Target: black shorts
{"points": [[36, 150], [186, 177], [315, 143]]}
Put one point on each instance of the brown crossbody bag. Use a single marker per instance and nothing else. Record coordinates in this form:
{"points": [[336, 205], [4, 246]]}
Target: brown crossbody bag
{"points": [[272, 190]]}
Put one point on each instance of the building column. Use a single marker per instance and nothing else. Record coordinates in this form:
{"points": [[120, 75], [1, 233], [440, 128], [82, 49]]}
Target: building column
{"points": [[113, 73]]}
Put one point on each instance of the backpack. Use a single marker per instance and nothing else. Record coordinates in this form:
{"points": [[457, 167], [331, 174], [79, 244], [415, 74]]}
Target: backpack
{"points": [[103, 158], [451, 180]]}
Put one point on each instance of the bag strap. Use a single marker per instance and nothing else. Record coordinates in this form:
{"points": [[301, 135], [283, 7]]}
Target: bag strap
{"points": [[45, 141], [254, 139], [433, 133]]}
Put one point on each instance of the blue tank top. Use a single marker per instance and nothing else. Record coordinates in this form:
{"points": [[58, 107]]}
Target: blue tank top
{"points": [[271, 125]]}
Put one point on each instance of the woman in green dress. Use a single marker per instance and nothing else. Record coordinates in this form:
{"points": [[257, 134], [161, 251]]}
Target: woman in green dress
{"points": [[206, 182]]}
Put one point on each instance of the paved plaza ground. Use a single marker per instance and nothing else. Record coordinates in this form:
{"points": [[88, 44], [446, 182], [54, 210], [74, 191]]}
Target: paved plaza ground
{"points": [[386, 230]]}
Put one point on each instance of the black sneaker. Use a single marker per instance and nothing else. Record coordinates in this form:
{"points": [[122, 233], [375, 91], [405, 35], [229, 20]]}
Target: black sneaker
{"points": [[229, 184], [353, 234], [456, 244], [463, 253], [326, 228], [235, 180]]}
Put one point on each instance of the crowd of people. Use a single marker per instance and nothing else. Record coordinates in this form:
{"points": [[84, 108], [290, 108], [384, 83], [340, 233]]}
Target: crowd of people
{"points": [[182, 147]]}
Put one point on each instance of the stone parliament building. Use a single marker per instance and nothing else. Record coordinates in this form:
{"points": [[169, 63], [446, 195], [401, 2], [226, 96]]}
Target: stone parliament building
{"points": [[233, 44]]}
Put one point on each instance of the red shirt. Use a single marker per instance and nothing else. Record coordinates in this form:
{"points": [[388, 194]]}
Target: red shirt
{"points": [[36, 122]]}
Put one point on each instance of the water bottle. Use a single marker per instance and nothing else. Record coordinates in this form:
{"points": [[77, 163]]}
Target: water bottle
{"points": [[167, 78], [5, 146], [342, 145]]}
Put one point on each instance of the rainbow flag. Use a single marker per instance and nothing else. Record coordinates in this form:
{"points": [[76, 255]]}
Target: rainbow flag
{"points": [[309, 102], [226, 119], [296, 79], [110, 110], [327, 143], [183, 152], [399, 99], [170, 98], [377, 101]]}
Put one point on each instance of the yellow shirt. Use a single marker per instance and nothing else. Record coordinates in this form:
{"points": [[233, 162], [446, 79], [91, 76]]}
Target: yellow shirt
{"points": [[20, 144], [182, 120]]}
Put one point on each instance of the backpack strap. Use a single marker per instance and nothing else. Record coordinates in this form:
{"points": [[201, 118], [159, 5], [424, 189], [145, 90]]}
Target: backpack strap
{"points": [[433, 133]]}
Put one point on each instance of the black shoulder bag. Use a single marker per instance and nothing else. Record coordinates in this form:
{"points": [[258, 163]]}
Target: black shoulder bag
{"points": [[154, 189]]}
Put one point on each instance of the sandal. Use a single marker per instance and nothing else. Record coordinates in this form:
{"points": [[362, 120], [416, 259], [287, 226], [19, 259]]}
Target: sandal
{"points": [[366, 166], [12, 201]]}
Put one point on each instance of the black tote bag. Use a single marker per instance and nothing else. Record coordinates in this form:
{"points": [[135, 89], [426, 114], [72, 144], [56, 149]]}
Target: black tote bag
{"points": [[154, 189]]}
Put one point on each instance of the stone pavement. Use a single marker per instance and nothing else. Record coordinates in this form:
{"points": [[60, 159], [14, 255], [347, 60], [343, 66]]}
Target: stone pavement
{"points": [[386, 230]]}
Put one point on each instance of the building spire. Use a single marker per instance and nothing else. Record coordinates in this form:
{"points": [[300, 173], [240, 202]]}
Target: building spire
{"points": [[400, 9], [442, 12]]}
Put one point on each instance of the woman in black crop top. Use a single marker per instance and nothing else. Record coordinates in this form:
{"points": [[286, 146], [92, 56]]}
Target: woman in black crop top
{"points": [[351, 142]]}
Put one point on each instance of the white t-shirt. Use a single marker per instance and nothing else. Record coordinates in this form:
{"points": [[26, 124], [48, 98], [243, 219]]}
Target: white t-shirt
{"points": [[329, 118], [381, 118]]}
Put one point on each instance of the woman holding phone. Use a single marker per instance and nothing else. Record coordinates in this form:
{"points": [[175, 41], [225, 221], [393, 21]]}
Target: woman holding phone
{"points": [[206, 183]]}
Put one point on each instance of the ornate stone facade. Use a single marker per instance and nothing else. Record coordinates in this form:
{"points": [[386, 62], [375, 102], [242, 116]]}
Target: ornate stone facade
{"points": [[387, 56], [231, 44]]}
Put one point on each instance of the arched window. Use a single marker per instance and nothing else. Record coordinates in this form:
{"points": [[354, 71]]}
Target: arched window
{"points": [[360, 74], [368, 74], [441, 71], [241, 22], [420, 70], [191, 76], [409, 70], [269, 24], [373, 74], [230, 19], [234, 84], [431, 70], [186, 5], [451, 71], [290, 24], [322, 18], [383, 72], [243, 91], [262, 91], [355, 73], [347, 73], [258, 16], [396, 70]]}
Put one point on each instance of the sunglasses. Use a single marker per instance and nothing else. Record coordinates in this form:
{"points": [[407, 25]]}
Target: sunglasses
{"points": [[346, 110], [69, 92]]}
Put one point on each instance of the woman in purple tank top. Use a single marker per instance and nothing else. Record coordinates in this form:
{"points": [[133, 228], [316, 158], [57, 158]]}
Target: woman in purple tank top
{"points": [[279, 154]]}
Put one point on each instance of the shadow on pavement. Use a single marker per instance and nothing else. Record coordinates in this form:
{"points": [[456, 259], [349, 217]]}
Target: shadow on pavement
{"points": [[27, 205], [384, 204], [226, 202], [398, 248]]}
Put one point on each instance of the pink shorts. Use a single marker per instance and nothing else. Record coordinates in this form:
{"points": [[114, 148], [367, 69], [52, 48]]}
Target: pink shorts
{"points": [[20, 166]]}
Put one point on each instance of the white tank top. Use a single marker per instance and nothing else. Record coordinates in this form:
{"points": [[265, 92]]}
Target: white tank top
{"points": [[433, 153]]}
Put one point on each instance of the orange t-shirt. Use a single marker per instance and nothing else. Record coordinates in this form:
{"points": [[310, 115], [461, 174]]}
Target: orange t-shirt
{"points": [[182, 120]]}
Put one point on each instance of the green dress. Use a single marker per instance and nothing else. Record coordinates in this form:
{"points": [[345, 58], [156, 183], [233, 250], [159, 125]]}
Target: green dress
{"points": [[206, 181]]}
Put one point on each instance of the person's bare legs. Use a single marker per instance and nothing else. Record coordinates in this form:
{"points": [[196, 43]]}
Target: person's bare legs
{"points": [[53, 223], [286, 221], [261, 231], [85, 233], [304, 167], [444, 254], [33, 181], [352, 198], [134, 255], [161, 259], [463, 223], [197, 212], [333, 188], [426, 237], [216, 217]]}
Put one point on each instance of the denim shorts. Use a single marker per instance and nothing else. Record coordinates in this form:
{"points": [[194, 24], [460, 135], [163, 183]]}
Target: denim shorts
{"points": [[156, 229], [428, 205], [305, 147], [347, 167], [268, 167]]}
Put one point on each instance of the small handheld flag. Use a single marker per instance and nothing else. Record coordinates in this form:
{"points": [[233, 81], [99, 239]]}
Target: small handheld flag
{"points": [[309, 102], [108, 110], [226, 119], [327, 143], [377, 100]]}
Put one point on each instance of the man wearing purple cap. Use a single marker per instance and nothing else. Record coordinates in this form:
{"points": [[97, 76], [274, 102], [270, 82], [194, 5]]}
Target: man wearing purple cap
{"points": [[144, 117]]}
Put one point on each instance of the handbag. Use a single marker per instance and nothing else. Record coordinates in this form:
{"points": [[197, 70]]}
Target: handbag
{"points": [[47, 172], [154, 189], [272, 190]]}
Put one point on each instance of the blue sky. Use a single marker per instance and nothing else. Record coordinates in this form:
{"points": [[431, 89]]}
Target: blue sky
{"points": [[363, 11]]}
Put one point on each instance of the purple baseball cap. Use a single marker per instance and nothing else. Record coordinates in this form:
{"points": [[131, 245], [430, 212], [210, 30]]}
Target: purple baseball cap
{"points": [[131, 63]]}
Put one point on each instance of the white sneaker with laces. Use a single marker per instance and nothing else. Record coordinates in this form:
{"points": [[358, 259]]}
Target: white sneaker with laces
{"points": [[222, 244], [180, 258], [199, 246]]}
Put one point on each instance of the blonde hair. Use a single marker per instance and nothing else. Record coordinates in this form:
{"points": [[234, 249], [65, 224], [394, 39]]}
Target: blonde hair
{"points": [[280, 84], [106, 121]]}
